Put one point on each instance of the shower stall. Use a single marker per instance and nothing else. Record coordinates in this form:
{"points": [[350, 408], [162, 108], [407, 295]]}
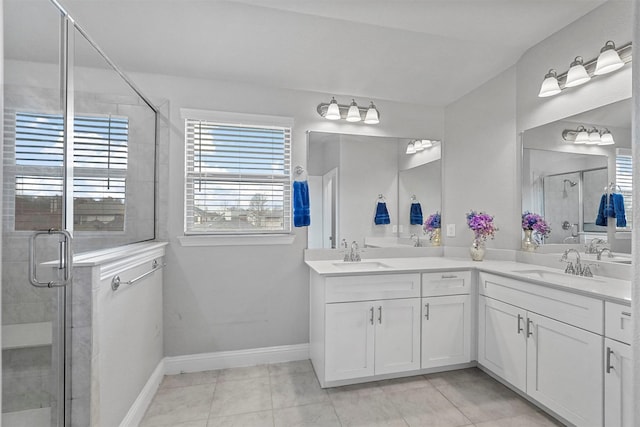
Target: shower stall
{"points": [[79, 174]]}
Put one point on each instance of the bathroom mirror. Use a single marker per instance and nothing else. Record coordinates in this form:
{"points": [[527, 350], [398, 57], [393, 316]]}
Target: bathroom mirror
{"points": [[565, 182], [347, 174]]}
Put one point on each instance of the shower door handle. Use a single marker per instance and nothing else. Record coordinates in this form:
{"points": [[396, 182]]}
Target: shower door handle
{"points": [[65, 260]]}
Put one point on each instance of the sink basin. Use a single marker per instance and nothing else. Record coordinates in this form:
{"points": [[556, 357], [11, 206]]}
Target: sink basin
{"points": [[552, 276], [360, 265]]}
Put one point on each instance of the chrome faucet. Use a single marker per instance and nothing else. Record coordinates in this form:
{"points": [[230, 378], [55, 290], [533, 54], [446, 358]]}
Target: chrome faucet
{"points": [[600, 251], [354, 255], [416, 240], [571, 268], [592, 247], [344, 245]]}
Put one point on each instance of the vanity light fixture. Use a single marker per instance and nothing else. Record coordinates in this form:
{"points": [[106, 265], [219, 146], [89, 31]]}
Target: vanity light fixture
{"points": [[608, 60], [577, 74], [418, 145], [594, 136], [351, 113], [580, 72]]}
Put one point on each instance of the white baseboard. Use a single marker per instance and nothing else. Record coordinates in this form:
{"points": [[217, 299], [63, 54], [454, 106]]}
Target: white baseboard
{"points": [[235, 359], [136, 412]]}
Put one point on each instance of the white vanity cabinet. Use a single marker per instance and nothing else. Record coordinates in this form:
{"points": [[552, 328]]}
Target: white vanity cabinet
{"points": [[446, 319], [364, 325], [618, 402], [546, 342]]}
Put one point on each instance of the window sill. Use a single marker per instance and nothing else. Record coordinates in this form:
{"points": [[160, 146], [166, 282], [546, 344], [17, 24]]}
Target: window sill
{"points": [[236, 240]]}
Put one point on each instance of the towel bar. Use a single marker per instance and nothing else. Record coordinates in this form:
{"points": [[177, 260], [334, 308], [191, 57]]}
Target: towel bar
{"points": [[116, 282]]}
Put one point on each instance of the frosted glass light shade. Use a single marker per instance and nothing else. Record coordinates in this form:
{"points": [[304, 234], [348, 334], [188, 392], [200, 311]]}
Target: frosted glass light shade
{"points": [[353, 115], [577, 74], [606, 138], [427, 143], [582, 136], [609, 60], [594, 137], [550, 85], [418, 145], [411, 149], [372, 117], [333, 111]]}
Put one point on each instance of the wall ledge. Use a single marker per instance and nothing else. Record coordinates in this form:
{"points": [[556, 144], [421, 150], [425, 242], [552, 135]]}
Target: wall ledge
{"points": [[236, 240]]}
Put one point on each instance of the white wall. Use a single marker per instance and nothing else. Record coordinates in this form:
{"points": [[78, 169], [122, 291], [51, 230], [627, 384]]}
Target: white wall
{"points": [[239, 297], [480, 152]]}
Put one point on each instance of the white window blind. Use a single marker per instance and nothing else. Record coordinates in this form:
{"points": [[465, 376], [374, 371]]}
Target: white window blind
{"points": [[100, 167], [624, 180], [237, 178]]}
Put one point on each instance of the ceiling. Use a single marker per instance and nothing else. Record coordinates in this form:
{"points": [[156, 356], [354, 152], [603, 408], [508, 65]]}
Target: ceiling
{"points": [[414, 51]]}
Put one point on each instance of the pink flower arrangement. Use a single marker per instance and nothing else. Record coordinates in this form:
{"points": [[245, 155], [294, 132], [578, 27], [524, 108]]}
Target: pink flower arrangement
{"points": [[535, 222], [482, 225]]}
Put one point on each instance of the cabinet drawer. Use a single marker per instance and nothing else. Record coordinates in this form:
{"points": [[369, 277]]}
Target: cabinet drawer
{"points": [[578, 310], [617, 322], [370, 287], [446, 283]]}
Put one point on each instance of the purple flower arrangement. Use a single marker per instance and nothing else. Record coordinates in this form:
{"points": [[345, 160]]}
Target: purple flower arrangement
{"points": [[535, 222], [482, 225], [432, 222]]}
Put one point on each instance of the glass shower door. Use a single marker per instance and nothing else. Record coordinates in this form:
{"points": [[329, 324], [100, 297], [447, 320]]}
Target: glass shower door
{"points": [[35, 192]]}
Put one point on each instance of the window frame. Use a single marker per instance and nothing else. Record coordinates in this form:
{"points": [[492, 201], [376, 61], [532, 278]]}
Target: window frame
{"points": [[195, 237]]}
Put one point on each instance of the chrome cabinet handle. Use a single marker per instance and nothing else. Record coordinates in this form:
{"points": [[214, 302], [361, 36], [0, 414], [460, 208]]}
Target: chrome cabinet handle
{"points": [[529, 328], [371, 319], [609, 367], [426, 311], [519, 327], [448, 276], [380, 315], [626, 313]]}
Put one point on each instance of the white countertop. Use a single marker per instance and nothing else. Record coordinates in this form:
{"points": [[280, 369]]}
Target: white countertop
{"points": [[600, 287]]}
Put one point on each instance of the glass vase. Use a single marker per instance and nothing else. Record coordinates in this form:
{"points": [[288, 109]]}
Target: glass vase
{"points": [[477, 250], [435, 238], [528, 244]]}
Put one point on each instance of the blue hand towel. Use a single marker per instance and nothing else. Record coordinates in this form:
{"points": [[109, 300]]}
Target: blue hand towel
{"points": [[609, 211], [618, 207], [382, 214], [601, 219], [301, 213], [415, 214]]}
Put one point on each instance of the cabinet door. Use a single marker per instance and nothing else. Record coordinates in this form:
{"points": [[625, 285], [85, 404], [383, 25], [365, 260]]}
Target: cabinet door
{"points": [[565, 369], [349, 340], [397, 336], [502, 340], [446, 324], [618, 402]]}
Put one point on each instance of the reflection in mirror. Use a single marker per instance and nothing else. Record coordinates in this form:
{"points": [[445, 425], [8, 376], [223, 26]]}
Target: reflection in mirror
{"points": [[348, 173], [566, 182]]}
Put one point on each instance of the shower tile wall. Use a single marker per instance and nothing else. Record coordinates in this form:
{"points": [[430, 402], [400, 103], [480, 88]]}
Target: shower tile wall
{"points": [[560, 205]]}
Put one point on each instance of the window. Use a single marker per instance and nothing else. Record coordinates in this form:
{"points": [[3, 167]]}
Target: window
{"points": [[624, 181], [237, 178], [100, 168]]}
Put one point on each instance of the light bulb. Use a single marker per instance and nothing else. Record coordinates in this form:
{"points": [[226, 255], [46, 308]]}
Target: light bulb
{"points": [[411, 149], [606, 138], [333, 111], [594, 137], [372, 117], [608, 60], [353, 115], [577, 74], [583, 136], [550, 85]]}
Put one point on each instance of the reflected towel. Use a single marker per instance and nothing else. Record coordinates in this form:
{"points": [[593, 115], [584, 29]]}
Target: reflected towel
{"points": [[618, 207], [415, 214], [382, 214], [301, 212], [601, 219]]}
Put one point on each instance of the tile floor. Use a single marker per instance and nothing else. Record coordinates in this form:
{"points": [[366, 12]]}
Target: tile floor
{"points": [[288, 394]]}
